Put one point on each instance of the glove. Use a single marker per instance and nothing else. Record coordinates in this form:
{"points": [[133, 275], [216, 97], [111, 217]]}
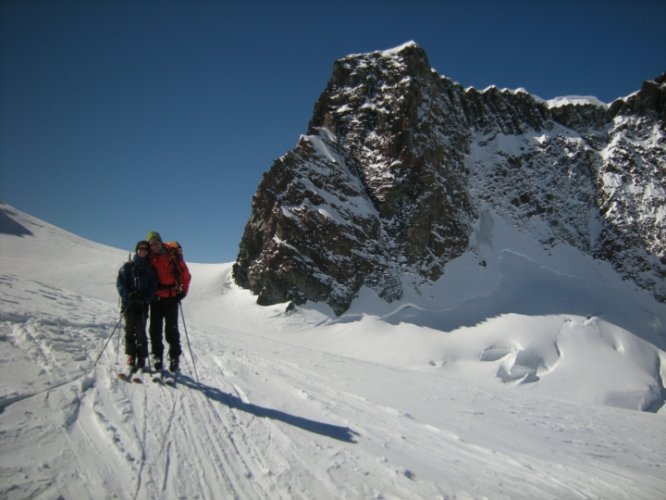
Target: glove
{"points": [[181, 296]]}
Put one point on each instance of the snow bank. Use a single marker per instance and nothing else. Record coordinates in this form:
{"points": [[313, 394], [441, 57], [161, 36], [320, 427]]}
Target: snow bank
{"points": [[508, 378]]}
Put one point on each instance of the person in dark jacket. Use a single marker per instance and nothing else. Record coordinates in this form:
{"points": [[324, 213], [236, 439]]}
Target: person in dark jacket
{"points": [[137, 284]]}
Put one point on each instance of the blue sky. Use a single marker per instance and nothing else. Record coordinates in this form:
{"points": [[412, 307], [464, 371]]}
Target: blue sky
{"points": [[119, 116]]}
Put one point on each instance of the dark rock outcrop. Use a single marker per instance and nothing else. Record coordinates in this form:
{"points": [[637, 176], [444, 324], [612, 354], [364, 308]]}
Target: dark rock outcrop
{"points": [[398, 161]]}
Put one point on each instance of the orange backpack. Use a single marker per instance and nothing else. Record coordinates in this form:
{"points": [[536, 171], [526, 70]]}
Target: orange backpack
{"points": [[175, 251]]}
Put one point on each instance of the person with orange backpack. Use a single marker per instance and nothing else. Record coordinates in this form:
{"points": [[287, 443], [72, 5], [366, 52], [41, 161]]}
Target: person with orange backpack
{"points": [[173, 279]]}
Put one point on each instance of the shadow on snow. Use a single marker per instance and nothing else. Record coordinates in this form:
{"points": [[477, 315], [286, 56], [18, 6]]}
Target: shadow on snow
{"points": [[333, 431], [527, 288]]}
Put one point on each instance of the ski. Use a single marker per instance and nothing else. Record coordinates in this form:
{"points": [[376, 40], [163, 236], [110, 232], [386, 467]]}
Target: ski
{"points": [[165, 377], [158, 377], [170, 378], [134, 377]]}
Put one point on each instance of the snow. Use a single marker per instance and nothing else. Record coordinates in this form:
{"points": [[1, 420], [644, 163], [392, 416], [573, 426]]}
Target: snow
{"points": [[393, 52], [569, 100], [320, 146], [520, 374], [399, 48], [575, 100], [555, 102]]}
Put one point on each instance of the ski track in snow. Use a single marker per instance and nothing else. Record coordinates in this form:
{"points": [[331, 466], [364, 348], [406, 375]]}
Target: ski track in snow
{"points": [[320, 432], [276, 418], [209, 440]]}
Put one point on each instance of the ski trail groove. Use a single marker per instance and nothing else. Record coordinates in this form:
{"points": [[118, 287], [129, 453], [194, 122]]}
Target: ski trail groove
{"points": [[144, 433]]}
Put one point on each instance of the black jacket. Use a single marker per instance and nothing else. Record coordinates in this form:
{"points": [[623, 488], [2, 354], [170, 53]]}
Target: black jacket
{"points": [[137, 282]]}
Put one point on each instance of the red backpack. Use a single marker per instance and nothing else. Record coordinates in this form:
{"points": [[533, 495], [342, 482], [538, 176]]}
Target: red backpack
{"points": [[175, 251]]}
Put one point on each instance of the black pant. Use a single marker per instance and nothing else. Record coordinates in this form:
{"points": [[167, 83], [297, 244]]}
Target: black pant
{"points": [[136, 343], [164, 311]]}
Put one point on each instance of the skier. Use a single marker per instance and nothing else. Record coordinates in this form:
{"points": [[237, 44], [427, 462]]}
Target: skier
{"points": [[173, 279], [136, 284]]}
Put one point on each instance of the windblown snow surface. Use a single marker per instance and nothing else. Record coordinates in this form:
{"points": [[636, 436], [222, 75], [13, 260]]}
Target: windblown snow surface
{"points": [[520, 374]]}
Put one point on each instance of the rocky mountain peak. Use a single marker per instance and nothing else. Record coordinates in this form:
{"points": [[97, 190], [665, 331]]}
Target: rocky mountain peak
{"points": [[399, 162], [649, 100]]}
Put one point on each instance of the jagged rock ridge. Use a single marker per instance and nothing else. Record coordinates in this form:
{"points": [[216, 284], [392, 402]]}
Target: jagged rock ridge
{"points": [[399, 162]]}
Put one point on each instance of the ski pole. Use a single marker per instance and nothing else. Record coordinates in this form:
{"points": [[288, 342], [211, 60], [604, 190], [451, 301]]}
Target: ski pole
{"points": [[120, 305], [144, 318], [117, 348], [188, 342], [107, 340]]}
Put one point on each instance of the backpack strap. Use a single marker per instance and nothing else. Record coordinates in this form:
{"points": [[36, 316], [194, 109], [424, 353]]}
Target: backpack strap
{"points": [[175, 256]]}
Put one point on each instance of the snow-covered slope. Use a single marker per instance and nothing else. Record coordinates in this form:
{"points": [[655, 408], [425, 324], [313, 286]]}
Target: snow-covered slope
{"points": [[502, 380]]}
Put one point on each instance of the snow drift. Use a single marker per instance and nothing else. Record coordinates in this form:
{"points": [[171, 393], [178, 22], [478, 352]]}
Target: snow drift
{"points": [[519, 374]]}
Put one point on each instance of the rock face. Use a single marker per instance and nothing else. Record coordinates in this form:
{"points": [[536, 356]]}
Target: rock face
{"points": [[399, 162]]}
